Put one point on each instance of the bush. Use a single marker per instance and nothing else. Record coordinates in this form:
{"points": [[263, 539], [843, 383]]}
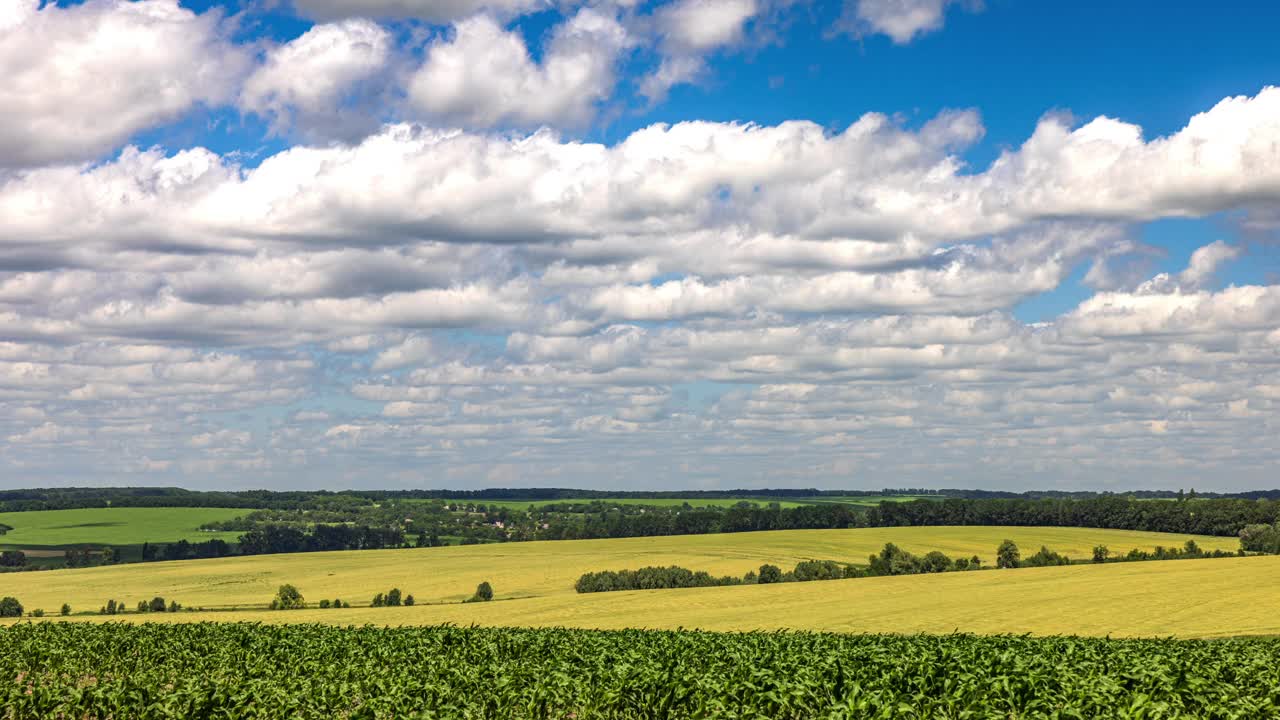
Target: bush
{"points": [[156, 604], [37, 613], [1007, 555], [378, 601], [769, 574], [66, 609], [10, 607], [1261, 539], [1046, 558], [288, 598], [408, 600], [935, 562], [809, 570], [393, 597], [13, 558], [324, 604], [484, 592], [1101, 553]]}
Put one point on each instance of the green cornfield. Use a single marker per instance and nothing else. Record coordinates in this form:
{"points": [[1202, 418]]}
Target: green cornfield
{"points": [[243, 670]]}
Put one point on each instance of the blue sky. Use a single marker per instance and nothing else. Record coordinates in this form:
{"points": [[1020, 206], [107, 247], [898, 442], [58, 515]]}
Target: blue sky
{"points": [[687, 243]]}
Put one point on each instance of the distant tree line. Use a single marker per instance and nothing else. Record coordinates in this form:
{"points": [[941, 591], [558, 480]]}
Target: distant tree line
{"points": [[68, 498]]}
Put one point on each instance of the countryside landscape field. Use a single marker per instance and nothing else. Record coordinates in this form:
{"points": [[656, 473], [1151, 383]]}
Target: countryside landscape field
{"points": [[639, 360]]}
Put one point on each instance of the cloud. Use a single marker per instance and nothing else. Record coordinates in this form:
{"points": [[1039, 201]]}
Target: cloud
{"points": [[320, 81], [901, 20], [484, 76], [437, 11], [692, 302], [81, 79], [689, 30]]}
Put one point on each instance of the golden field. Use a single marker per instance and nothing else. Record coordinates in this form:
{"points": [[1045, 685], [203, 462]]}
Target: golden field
{"points": [[1185, 598], [534, 583]]}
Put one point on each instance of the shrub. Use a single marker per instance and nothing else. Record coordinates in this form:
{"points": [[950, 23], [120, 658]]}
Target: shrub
{"points": [[408, 600], [1101, 553], [809, 570], [1045, 558], [10, 607], [13, 558], [288, 598], [37, 613], [393, 597], [378, 601], [484, 592], [66, 609], [324, 604], [156, 604], [1007, 555], [769, 574]]}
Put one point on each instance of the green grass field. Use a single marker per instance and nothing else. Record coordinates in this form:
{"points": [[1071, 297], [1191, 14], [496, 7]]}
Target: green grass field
{"points": [[54, 530], [534, 580]]}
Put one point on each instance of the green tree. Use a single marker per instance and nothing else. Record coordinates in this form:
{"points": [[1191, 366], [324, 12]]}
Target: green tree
{"points": [[156, 604], [13, 558], [288, 598], [484, 592], [324, 604], [1101, 553], [66, 609], [10, 607], [393, 597], [408, 600], [378, 600], [1007, 555], [769, 574]]}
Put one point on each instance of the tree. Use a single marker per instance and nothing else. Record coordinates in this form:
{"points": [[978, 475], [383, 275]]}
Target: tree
{"points": [[484, 592], [769, 574], [66, 609], [1046, 557], [1101, 553], [13, 558], [393, 597], [378, 601], [408, 600], [288, 598], [324, 604], [156, 604], [936, 562], [10, 607], [148, 552], [1007, 555]]}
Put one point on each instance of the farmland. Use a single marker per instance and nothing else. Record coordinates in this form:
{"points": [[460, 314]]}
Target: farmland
{"points": [[307, 671], [534, 584], [56, 529]]}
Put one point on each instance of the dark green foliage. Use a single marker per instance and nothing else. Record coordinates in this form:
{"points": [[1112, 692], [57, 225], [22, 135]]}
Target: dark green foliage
{"points": [[378, 601], [935, 562], [13, 558], [10, 607], [893, 560], [241, 670], [393, 597], [287, 598], [807, 570], [66, 609], [484, 592], [648, 578], [111, 608], [408, 600], [1101, 553], [156, 604], [769, 574], [37, 613], [324, 604], [1045, 558], [1007, 555], [1261, 538]]}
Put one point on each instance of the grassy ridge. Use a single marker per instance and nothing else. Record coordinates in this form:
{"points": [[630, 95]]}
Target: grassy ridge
{"points": [[239, 670]]}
